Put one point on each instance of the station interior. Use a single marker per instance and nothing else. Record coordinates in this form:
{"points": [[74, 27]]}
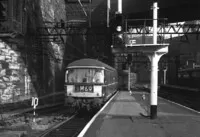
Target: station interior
{"points": [[40, 38]]}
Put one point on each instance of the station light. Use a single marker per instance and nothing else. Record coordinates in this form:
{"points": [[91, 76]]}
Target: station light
{"points": [[119, 22], [117, 28]]}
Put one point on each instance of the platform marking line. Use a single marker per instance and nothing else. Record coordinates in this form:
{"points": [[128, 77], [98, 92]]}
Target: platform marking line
{"points": [[180, 105], [82, 133]]}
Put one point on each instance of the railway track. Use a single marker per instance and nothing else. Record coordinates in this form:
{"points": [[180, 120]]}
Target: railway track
{"points": [[45, 120], [69, 128], [181, 98], [54, 109], [73, 126]]}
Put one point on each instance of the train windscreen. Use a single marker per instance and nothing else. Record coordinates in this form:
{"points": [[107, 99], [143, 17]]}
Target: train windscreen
{"points": [[84, 75]]}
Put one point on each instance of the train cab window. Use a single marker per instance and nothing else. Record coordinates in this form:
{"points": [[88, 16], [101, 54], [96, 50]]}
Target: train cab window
{"points": [[85, 75], [98, 76]]}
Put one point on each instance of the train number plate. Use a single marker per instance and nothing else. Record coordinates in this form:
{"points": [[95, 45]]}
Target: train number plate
{"points": [[85, 89]]}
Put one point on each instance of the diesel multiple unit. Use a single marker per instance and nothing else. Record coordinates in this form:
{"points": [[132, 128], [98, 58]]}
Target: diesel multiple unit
{"points": [[89, 83]]}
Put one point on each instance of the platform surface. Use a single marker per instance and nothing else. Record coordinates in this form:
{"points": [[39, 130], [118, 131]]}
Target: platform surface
{"points": [[127, 116]]}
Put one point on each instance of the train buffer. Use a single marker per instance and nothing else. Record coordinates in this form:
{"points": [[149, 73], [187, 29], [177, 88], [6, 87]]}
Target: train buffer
{"points": [[128, 116]]}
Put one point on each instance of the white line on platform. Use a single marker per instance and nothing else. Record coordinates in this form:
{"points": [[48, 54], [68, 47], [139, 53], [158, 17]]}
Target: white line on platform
{"points": [[82, 133], [180, 105]]}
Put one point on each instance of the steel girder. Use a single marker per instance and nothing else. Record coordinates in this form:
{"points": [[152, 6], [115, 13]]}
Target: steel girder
{"points": [[166, 29]]}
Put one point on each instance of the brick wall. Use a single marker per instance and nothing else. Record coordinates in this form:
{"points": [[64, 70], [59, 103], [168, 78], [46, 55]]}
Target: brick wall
{"points": [[15, 83]]}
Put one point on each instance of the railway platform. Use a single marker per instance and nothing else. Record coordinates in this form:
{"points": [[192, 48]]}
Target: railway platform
{"points": [[127, 116]]}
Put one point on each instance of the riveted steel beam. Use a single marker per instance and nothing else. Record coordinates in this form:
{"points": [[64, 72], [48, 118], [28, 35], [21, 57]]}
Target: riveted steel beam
{"points": [[166, 29]]}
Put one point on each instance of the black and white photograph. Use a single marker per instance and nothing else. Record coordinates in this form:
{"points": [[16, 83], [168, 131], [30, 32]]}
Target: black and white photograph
{"points": [[99, 68]]}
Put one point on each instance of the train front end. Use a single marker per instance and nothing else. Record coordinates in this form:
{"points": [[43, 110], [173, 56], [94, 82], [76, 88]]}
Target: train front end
{"points": [[83, 87]]}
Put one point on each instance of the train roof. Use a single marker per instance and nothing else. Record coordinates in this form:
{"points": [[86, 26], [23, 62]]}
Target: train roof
{"points": [[89, 62]]}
